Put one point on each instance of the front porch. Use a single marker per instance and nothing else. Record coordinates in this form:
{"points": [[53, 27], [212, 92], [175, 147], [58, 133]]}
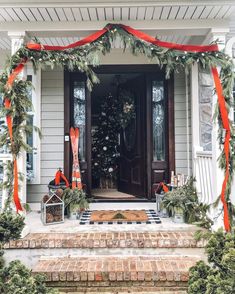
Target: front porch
{"points": [[173, 132], [194, 151], [191, 103], [195, 147]]}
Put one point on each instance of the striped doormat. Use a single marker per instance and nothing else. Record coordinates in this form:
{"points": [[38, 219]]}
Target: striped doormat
{"points": [[92, 217]]}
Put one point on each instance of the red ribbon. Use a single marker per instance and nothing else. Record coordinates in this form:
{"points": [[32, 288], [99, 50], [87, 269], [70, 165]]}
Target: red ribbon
{"points": [[164, 187], [7, 104], [87, 40], [16, 188], [136, 33], [147, 38], [58, 176], [15, 72], [226, 126]]}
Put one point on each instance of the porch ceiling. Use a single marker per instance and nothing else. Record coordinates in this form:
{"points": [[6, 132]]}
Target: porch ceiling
{"points": [[60, 23]]}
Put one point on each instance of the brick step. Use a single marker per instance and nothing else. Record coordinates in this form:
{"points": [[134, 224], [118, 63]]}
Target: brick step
{"points": [[102, 273], [166, 239]]}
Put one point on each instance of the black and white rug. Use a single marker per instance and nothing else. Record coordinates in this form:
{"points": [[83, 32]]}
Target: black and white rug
{"points": [[152, 219]]}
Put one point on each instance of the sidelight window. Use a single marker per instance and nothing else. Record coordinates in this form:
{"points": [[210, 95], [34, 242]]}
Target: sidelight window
{"points": [[158, 112], [79, 93], [33, 158]]}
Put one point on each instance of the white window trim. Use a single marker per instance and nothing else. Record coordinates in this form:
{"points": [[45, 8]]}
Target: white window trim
{"points": [[36, 101]]}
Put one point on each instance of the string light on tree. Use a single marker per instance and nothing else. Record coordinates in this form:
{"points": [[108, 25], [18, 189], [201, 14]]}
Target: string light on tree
{"points": [[105, 140]]}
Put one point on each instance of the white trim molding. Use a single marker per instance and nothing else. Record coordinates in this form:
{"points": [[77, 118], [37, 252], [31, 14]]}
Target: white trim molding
{"points": [[154, 25], [36, 113]]}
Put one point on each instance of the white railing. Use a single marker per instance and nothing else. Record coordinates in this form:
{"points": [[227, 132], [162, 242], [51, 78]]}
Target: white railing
{"points": [[203, 175], [4, 158]]}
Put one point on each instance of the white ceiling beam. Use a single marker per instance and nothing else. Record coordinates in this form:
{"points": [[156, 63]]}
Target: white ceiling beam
{"points": [[87, 26], [106, 3]]}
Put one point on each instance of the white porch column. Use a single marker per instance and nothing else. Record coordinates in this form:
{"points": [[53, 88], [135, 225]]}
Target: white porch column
{"points": [[17, 40], [218, 174], [195, 113]]}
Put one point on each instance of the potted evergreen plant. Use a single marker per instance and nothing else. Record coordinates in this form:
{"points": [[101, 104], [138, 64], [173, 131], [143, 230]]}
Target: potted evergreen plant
{"points": [[173, 201], [183, 204], [76, 202]]}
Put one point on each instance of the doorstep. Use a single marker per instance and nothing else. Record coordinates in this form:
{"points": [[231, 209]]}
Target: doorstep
{"points": [[131, 243], [143, 272], [131, 239]]}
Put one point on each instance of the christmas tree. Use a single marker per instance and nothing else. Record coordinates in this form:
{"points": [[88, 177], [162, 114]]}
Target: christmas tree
{"points": [[105, 141]]}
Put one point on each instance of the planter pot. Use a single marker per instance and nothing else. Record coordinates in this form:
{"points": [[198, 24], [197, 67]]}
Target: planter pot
{"points": [[74, 215], [163, 213], [178, 218]]}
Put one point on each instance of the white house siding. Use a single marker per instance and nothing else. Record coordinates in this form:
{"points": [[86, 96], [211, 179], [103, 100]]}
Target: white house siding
{"points": [[183, 138], [52, 122], [52, 126], [4, 54]]}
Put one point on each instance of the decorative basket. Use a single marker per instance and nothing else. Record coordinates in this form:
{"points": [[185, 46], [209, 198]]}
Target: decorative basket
{"points": [[52, 209]]}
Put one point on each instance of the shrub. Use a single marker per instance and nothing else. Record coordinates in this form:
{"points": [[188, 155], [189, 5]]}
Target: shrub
{"points": [[11, 226], [218, 276], [17, 278]]}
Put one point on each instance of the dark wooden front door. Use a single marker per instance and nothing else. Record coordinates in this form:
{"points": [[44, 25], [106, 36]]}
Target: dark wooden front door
{"points": [[132, 141], [146, 145]]}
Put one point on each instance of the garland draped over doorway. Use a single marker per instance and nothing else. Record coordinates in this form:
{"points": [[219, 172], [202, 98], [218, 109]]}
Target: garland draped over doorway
{"points": [[85, 53]]}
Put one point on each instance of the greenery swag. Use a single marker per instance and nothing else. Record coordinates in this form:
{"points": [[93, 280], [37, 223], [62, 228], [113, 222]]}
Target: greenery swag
{"points": [[82, 58]]}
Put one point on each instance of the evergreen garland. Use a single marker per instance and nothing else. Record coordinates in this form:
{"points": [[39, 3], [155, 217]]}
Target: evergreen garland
{"points": [[82, 58]]}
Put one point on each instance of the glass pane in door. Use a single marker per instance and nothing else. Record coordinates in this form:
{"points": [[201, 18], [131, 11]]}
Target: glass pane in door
{"points": [[158, 120], [79, 93]]}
